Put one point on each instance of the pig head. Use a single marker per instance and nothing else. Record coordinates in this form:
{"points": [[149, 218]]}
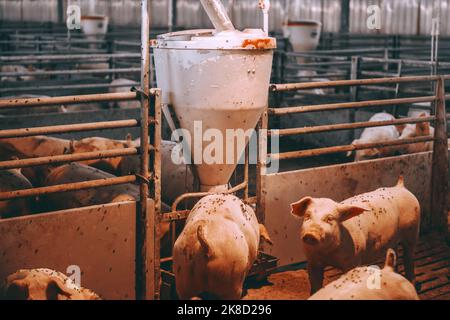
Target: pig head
{"points": [[43, 284]]}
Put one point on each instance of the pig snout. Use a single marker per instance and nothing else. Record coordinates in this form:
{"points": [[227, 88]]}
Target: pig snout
{"points": [[312, 236]]}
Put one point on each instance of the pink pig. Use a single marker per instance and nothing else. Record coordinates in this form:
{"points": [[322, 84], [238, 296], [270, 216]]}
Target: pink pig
{"points": [[358, 230]]}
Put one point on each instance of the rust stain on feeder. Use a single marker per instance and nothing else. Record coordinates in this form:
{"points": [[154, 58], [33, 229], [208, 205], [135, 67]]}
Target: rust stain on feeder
{"points": [[257, 43]]}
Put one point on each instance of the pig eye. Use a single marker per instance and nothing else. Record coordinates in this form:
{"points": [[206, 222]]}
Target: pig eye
{"points": [[329, 219], [307, 216]]}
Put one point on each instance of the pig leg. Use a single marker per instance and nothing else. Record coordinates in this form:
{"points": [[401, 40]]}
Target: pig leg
{"points": [[408, 258], [315, 273]]}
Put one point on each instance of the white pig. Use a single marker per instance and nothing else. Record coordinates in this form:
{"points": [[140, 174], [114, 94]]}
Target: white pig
{"points": [[43, 284], [370, 283], [217, 248], [75, 172], [422, 129], [33, 147], [11, 180], [374, 135], [93, 144], [123, 85], [358, 230]]}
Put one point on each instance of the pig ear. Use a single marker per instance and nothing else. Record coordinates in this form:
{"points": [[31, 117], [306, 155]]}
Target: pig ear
{"points": [[298, 208], [423, 129], [347, 211]]}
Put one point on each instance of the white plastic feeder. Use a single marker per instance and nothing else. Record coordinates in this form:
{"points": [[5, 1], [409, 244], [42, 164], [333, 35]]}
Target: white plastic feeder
{"points": [[304, 35], [94, 27], [218, 78]]}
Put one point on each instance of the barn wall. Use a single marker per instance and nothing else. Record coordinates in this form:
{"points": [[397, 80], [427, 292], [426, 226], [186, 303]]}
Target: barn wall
{"points": [[398, 16], [337, 182], [100, 240]]}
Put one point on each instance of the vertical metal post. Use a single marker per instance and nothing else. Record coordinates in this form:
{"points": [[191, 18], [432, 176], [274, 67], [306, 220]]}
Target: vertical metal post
{"points": [[397, 87], [345, 16], [354, 73], [261, 167], [142, 284], [439, 174], [246, 178], [157, 193], [61, 11]]}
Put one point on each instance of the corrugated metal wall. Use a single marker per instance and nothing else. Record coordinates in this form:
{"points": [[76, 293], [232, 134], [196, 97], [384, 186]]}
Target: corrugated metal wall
{"points": [[398, 16]]}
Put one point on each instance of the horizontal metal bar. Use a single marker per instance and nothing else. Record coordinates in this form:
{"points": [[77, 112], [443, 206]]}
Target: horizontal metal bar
{"points": [[341, 83], [348, 105], [347, 126], [405, 62], [66, 187], [65, 100], [347, 148], [69, 72], [62, 87], [204, 194], [93, 126], [175, 215], [89, 57], [26, 163]]}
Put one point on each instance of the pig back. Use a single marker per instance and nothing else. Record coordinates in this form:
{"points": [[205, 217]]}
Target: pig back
{"points": [[11, 180], [227, 207], [74, 172], [368, 283], [392, 214]]}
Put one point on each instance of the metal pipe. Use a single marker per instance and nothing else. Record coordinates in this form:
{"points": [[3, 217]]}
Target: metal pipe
{"points": [[204, 194], [88, 57], [347, 126], [342, 83], [218, 15], [93, 126], [25, 163], [62, 87], [348, 105], [79, 99], [69, 72], [347, 148], [143, 283], [9, 195]]}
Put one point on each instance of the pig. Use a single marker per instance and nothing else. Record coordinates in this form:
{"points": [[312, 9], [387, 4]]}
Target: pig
{"points": [[17, 69], [43, 284], [33, 147], [76, 172], [11, 180], [358, 230], [422, 129], [374, 135], [217, 248], [370, 283], [123, 85], [70, 108], [93, 66], [93, 144], [176, 179]]}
